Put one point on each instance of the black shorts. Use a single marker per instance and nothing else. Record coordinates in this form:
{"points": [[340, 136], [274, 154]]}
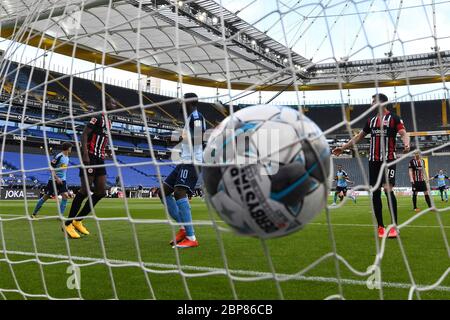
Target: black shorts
{"points": [[184, 175], [375, 171], [94, 172], [343, 189], [60, 188], [419, 186], [443, 188]]}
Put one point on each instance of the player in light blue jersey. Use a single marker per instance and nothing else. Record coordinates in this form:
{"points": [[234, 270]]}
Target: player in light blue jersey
{"points": [[342, 181], [183, 178], [59, 166], [442, 185]]}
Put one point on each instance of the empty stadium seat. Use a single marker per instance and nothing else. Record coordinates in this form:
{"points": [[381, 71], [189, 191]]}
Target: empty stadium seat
{"points": [[133, 173]]}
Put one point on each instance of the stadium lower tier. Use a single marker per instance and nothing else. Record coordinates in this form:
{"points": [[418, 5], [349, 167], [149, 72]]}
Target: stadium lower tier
{"points": [[134, 170], [140, 171], [357, 169]]}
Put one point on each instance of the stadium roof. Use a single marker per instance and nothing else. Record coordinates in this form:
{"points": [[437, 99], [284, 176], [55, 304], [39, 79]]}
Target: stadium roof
{"points": [[147, 31]]}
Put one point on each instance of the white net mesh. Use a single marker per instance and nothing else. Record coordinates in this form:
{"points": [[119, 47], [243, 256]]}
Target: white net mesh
{"points": [[62, 61]]}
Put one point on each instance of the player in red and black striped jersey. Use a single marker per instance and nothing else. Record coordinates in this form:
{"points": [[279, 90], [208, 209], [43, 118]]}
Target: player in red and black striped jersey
{"points": [[93, 148], [417, 176], [383, 129]]}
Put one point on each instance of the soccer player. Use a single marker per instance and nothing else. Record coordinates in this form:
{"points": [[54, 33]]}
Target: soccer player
{"points": [[182, 180], [441, 177], [342, 180], [58, 170], [383, 129], [418, 179], [94, 140]]}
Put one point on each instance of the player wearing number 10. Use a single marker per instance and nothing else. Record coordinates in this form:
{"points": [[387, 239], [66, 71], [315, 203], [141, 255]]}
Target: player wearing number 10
{"points": [[184, 177], [383, 129]]}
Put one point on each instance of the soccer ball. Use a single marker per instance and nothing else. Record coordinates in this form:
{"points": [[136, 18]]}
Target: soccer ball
{"points": [[266, 170]]}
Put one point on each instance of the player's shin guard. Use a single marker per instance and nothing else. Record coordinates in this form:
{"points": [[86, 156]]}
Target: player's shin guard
{"points": [[39, 205], [378, 207], [76, 205], [87, 206], [428, 200], [414, 199], [186, 217], [62, 206], [392, 202], [172, 207]]}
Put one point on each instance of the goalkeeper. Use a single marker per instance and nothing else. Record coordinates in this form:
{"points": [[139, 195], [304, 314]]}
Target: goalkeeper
{"points": [[441, 179]]}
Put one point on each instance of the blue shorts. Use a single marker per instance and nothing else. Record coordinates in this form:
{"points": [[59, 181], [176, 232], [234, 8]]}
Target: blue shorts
{"points": [[184, 175], [60, 188]]}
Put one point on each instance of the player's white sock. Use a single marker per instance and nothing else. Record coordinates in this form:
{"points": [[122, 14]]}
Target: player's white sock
{"points": [[192, 238]]}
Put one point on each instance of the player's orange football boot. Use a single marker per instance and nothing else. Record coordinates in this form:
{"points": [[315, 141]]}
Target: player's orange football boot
{"points": [[71, 231], [180, 236], [417, 210], [393, 233], [186, 243], [381, 232], [79, 226]]}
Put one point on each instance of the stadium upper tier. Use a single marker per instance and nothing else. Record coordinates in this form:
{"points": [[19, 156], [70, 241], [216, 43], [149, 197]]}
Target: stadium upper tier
{"points": [[86, 95], [430, 115], [165, 112]]}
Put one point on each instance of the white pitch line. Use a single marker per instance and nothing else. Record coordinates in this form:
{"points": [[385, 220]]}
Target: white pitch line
{"points": [[202, 222], [263, 275]]}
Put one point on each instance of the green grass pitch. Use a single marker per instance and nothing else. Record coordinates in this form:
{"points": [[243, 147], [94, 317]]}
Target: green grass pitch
{"points": [[131, 246]]}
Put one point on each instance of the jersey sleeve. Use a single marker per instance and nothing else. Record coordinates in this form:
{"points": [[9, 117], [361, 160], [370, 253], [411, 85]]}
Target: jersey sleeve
{"points": [[446, 177], [197, 123], [95, 121], [411, 165], [366, 128], [197, 126], [436, 176], [399, 125], [54, 163]]}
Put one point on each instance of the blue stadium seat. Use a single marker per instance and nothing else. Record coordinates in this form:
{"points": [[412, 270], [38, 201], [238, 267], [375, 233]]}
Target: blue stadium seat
{"points": [[133, 175]]}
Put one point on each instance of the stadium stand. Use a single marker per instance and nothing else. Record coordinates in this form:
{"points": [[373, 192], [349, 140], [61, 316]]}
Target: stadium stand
{"points": [[133, 175], [88, 93], [357, 173], [86, 97]]}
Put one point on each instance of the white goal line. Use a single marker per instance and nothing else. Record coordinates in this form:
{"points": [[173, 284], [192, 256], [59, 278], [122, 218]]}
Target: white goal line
{"points": [[173, 268], [14, 217]]}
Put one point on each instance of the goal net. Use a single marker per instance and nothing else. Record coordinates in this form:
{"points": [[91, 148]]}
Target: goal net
{"points": [[64, 63]]}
